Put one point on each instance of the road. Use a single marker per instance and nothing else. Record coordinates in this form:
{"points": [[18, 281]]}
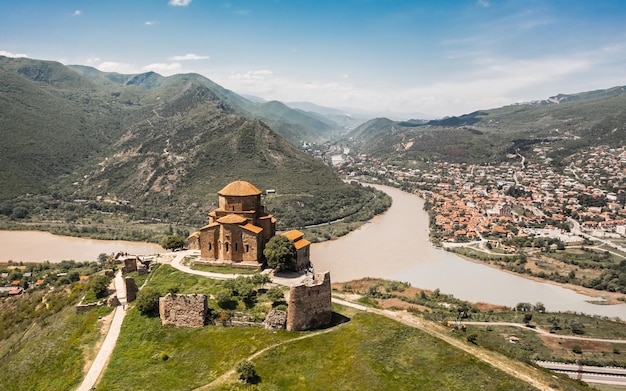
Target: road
{"points": [[110, 340], [601, 375]]}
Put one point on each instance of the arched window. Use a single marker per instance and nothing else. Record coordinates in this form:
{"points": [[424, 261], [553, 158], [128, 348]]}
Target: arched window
{"points": [[227, 245], [210, 246], [236, 247], [247, 248]]}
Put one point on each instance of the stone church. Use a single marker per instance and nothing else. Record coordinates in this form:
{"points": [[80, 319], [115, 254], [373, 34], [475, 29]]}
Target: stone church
{"points": [[239, 229]]}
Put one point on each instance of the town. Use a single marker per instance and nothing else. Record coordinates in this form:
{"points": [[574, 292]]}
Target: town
{"points": [[522, 207]]}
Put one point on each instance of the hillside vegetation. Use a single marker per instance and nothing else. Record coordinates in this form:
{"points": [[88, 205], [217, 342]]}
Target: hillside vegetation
{"points": [[567, 122], [85, 147]]}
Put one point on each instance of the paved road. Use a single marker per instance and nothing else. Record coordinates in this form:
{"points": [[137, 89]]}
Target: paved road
{"points": [[603, 375], [111, 338]]}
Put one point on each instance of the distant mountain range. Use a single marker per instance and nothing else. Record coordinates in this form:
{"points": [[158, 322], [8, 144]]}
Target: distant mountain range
{"points": [[164, 145], [565, 123]]}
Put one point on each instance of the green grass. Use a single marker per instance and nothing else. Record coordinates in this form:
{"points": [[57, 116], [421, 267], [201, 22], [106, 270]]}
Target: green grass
{"points": [[51, 356], [222, 269], [369, 352], [196, 356], [375, 353]]}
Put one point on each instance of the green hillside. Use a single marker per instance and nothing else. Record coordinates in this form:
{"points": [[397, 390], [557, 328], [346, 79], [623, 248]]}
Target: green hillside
{"points": [[565, 123], [83, 144]]}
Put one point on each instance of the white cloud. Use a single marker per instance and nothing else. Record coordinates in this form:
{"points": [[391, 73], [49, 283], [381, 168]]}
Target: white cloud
{"points": [[77, 13], [179, 3], [150, 23], [14, 55], [484, 3], [189, 57], [251, 75], [165, 69], [119, 67]]}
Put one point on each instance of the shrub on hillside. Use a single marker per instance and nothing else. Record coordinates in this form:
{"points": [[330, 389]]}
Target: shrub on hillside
{"points": [[148, 301]]}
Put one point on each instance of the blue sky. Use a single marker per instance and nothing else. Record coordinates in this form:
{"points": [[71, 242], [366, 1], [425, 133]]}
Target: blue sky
{"points": [[435, 57]]}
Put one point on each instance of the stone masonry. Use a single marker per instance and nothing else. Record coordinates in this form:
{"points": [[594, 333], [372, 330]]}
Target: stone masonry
{"points": [[310, 304], [183, 310], [131, 289]]}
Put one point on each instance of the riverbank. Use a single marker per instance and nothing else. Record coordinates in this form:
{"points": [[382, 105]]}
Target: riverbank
{"points": [[604, 297]]}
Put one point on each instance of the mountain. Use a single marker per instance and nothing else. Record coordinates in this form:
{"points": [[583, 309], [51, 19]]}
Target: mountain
{"points": [[158, 147], [564, 123]]}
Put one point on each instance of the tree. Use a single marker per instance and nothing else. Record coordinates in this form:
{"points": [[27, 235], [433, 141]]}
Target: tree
{"points": [[276, 295], [540, 307], [100, 285], [171, 242], [577, 327], [246, 371], [280, 253], [148, 301], [527, 318]]}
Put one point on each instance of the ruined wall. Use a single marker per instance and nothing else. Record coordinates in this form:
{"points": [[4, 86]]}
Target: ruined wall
{"points": [[131, 289], [310, 304], [183, 310]]}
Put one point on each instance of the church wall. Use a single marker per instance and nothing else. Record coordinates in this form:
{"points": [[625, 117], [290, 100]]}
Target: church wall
{"points": [[208, 240], [251, 241], [269, 228], [237, 204]]}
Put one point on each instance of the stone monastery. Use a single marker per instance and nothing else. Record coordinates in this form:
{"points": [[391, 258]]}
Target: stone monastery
{"points": [[239, 229]]}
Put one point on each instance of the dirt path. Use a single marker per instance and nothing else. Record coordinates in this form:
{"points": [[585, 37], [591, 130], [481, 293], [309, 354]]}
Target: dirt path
{"points": [[514, 368], [110, 340], [222, 379]]}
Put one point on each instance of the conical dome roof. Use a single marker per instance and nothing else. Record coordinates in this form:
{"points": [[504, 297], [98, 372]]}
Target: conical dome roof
{"points": [[239, 189]]}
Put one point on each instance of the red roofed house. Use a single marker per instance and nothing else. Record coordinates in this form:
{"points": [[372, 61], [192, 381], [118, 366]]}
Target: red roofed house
{"points": [[302, 248], [238, 229]]}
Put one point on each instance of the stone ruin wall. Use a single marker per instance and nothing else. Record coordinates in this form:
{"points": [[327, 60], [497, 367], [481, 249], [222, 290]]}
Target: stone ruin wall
{"points": [[183, 310], [309, 304]]}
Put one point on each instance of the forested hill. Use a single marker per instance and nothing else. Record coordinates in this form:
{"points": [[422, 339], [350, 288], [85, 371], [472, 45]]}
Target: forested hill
{"points": [[565, 123], [156, 148]]}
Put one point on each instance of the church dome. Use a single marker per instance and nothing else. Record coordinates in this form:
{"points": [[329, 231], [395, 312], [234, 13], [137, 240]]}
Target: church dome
{"points": [[239, 189]]}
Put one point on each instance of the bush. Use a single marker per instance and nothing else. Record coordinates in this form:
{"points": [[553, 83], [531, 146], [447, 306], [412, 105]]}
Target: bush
{"points": [[99, 285], [171, 242], [148, 301], [246, 371], [577, 349], [280, 253]]}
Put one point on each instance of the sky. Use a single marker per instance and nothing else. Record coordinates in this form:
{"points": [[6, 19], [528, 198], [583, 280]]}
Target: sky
{"points": [[411, 59]]}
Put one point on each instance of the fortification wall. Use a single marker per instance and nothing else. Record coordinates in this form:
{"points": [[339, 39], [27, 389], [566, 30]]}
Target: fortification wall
{"points": [[309, 304], [183, 310]]}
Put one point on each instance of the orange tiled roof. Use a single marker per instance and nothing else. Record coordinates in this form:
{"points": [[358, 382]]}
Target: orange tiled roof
{"points": [[293, 235], [252, 228], [239, 188], [301, 243]]}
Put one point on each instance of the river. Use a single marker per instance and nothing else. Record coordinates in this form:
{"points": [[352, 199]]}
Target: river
{"points": [[37, 246], [395, 245]]}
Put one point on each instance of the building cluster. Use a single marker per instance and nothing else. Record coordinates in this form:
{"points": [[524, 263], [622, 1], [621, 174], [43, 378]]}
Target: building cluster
{"points": [[518, 197]]}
